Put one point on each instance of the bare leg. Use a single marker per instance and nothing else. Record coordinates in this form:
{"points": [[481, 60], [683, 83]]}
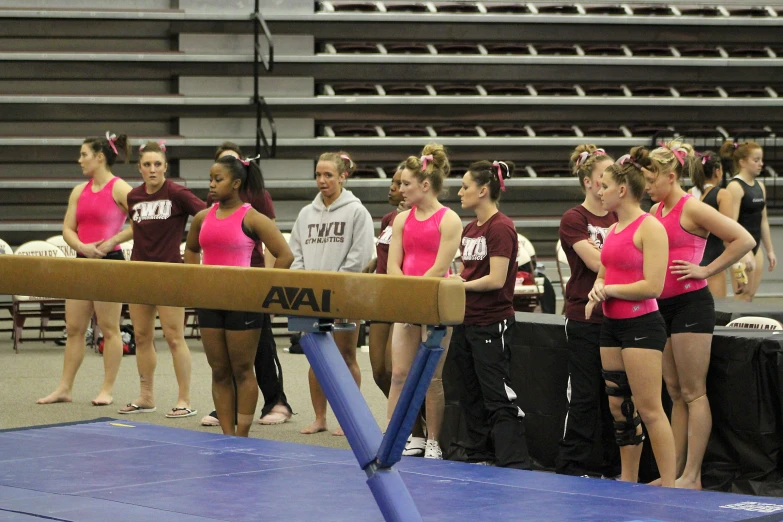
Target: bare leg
{"points": [[405, 341], [380, 335], [108, 315], [612, 360], [143, 319], [242, 347], [172, 320], [216, 350], [77, 318], [680, 421], [435, 401], [318, 399], [346, 341], [692, 355], [643, 367]]}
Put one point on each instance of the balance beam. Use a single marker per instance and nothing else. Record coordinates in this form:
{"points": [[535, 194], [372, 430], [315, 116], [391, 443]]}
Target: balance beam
{"points": [[417, 300]]}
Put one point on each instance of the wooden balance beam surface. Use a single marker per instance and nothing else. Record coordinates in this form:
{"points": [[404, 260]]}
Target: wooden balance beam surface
{"points": [[418, 300]]}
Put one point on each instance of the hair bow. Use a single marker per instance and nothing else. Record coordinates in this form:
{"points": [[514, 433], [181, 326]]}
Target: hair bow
{"points": [[347, 158], [679, 153], [111, 138], [622, 159], [704, 157], [584, 155], [161, 144], [497, 165], [424, 161], [246, 161]]}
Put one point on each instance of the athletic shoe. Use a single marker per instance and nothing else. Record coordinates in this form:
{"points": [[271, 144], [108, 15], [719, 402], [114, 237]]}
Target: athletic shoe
{"points": [[210, 420], [432, 451], [414, 447]]}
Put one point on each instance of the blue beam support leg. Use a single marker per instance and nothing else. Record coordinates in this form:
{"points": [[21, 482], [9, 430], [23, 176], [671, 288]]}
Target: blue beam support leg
{"points": [[375, 453]]}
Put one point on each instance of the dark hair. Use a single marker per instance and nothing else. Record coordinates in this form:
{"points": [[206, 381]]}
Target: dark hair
{"points": [[342, 160], [628, 170], [153, 146], [104, 146], [437, 169], [705, 168], [228, 145], [486, 173], [250, 175], [734, 152]]}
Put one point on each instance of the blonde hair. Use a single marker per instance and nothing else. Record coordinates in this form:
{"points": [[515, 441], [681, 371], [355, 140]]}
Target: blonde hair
{"points": [[342, 160], [435, 170], [674, 156], [583, 160]]}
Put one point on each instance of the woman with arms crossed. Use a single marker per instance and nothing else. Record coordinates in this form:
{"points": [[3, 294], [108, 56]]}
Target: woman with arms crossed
{"points": [[588, 446]]}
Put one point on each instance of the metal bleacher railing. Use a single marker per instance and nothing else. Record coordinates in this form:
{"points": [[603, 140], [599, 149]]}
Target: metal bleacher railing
{"points": [[262, 109]]}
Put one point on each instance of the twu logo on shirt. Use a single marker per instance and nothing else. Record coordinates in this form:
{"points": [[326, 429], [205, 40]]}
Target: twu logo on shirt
{"points": [[332, 232], [597, 234], [386, 235], [474, 248], [148, 210]]}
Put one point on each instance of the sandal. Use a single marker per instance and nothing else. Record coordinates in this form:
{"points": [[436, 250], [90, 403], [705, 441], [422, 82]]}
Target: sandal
{"points": [[174, 415], [135, 408]]}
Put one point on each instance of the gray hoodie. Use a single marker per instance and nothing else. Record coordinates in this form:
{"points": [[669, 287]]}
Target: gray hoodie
{"points": [[337, 239]]}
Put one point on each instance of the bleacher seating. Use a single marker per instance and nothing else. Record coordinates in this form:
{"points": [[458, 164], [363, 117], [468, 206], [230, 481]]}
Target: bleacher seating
{"points": [[484, 93]]}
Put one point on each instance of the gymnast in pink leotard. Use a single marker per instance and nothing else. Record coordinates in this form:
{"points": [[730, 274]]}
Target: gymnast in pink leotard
{"points": [[424, 242], [633, 333]]}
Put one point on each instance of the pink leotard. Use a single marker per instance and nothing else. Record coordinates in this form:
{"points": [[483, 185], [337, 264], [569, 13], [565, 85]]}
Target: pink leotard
{"points": [[222, 240], [98, 217], [624, 264], [420, 242], [682, 246]]}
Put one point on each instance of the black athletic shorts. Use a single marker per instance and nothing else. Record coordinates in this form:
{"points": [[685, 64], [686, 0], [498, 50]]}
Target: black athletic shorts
{"points": [[691, 312], [229, 319], [645, 331], [114, 255]]}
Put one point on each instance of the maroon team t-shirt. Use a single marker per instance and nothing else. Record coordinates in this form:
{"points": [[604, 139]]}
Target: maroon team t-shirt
{"points": [[497, 237], [261, 203], [384, 240], [159, 220], [579, 224]]}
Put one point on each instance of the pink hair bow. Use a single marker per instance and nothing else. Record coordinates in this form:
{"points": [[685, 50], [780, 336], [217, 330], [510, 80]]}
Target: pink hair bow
{"points": [[679, 153], [704, 158], [584, 155], [111, 138], [347, 158], [424, 161], [161, 144], [622, 159], [736, 145], [497, 165]]}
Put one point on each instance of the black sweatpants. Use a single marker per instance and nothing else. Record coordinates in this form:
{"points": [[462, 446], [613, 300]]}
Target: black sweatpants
{"points": [[588, 446], [269, 373], [495, 424]]}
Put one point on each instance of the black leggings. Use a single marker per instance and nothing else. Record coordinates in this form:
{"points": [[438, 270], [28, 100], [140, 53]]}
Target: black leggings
{"points": [[269, 373]]}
